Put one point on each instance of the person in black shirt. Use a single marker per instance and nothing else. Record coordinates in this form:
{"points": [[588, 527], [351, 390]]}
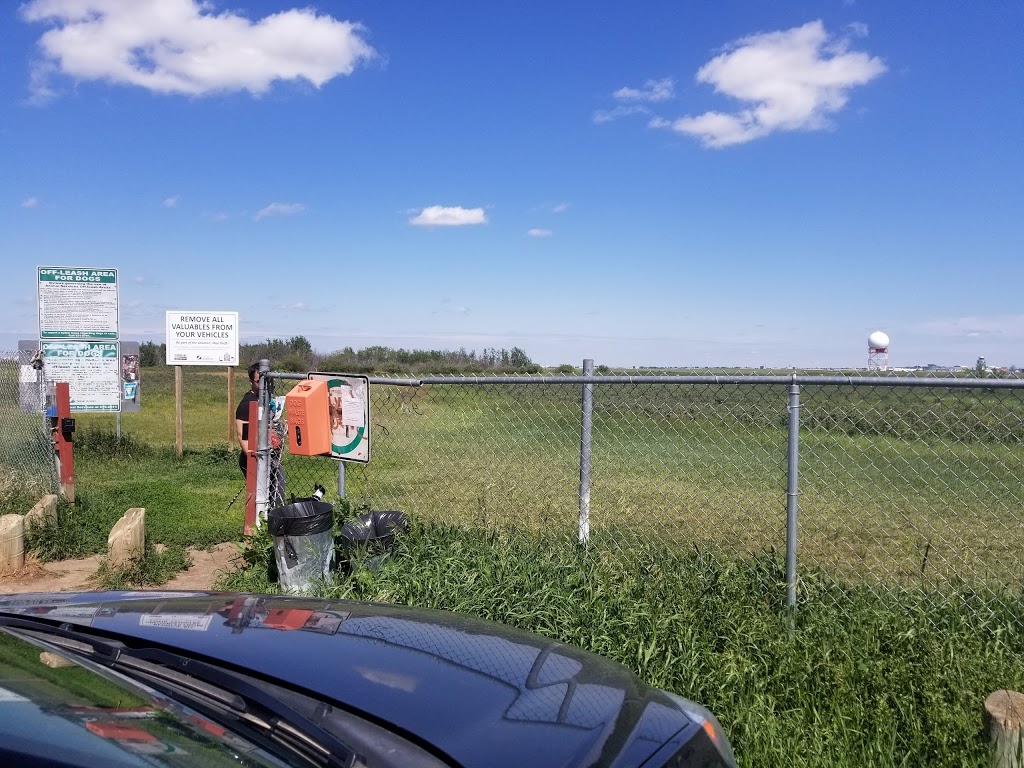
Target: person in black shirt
{"points": [[242, 415]]}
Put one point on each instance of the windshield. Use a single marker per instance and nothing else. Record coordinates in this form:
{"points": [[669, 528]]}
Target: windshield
{"points": [[54, 709], [67, 696]]}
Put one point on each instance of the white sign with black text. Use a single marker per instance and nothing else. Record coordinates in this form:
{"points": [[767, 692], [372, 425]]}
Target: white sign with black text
{"points": [[202, 338]]}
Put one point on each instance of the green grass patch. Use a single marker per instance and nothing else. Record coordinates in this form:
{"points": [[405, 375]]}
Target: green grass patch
{"points": [[151, 570], [79, 530], [861, 677], [207, 414], [188, 501]]}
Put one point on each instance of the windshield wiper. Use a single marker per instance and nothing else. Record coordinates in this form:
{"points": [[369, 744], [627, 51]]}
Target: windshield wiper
{"points": [[226, 695]]}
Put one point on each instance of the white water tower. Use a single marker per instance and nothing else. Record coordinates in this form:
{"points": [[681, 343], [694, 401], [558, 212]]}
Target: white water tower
{"points": [[878, 352]]}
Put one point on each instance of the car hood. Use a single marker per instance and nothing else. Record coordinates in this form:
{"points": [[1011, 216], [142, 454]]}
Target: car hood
{"points": [[482, 692]]}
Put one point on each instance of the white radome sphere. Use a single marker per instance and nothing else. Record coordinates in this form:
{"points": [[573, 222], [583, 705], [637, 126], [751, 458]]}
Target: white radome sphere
{"points": [[878, 340]]}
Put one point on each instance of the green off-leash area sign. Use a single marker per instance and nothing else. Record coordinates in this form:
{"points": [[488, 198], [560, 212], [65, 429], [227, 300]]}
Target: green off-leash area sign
{"points": [[78, 334], [91, 369], [77, 303]]}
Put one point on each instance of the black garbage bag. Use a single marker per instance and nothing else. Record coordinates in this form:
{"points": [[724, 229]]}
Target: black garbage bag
{"points": [[371, 535]]}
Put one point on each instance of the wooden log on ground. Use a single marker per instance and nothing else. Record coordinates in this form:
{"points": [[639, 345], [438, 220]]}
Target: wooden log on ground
{"points": [[127, 539], [12, 543], [44, 511], [1004, 721]]}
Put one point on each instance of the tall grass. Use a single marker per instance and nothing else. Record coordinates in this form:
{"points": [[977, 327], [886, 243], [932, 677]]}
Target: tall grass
{"points": [[19, 492], [859, 678]]}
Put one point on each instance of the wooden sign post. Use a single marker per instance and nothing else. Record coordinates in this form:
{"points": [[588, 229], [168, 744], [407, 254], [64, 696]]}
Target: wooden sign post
{"points": [[231, 408], [178, 415]]}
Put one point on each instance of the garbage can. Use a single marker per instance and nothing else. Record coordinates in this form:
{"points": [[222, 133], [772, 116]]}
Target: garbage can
{"points": [[303, 533]]}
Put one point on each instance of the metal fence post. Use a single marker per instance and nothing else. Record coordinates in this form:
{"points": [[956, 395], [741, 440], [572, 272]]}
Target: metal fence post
{"points": [[792, 491], [586, 425], [263, 446]]}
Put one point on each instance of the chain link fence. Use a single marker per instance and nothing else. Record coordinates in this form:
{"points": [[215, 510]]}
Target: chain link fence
{"points": [[27, 469], [904, 483]]}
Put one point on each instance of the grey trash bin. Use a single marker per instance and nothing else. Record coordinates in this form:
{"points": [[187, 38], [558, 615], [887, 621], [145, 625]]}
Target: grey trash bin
{"points": [[303, 533]]}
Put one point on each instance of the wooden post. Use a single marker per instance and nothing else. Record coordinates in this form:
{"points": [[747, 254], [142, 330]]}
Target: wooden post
{"points": [[1004, 720], [231, 408], [12, 543], [250, 469], [65, 448], [178, 420]]}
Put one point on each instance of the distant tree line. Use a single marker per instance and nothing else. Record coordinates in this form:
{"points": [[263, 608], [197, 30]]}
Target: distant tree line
{"points": [[151, 354], [380, 359], [297, 354]]}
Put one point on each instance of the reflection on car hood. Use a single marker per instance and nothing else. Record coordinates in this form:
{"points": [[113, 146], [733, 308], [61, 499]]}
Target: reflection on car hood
{"points": [[482, 692]]}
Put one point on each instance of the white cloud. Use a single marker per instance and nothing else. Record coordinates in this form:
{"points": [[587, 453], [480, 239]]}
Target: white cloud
{"points": [[607, 115], [39, 88], [171, 202], [139, 280], [560, 208], [299, 306], [789, 80], [653, 90], [539, 233], [30, 202], [215, 217], [442, 216], [279, 209], [184, 47]]}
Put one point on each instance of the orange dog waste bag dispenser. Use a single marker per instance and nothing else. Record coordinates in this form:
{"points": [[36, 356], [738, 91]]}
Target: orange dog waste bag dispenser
{"points": [[309, 421]]}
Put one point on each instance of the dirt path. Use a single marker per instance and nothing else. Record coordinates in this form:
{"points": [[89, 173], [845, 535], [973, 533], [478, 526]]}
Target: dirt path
{"points": [[207, 567]]}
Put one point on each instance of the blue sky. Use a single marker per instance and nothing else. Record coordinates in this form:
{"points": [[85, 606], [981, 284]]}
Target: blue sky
{"points": [[669, 183]]}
